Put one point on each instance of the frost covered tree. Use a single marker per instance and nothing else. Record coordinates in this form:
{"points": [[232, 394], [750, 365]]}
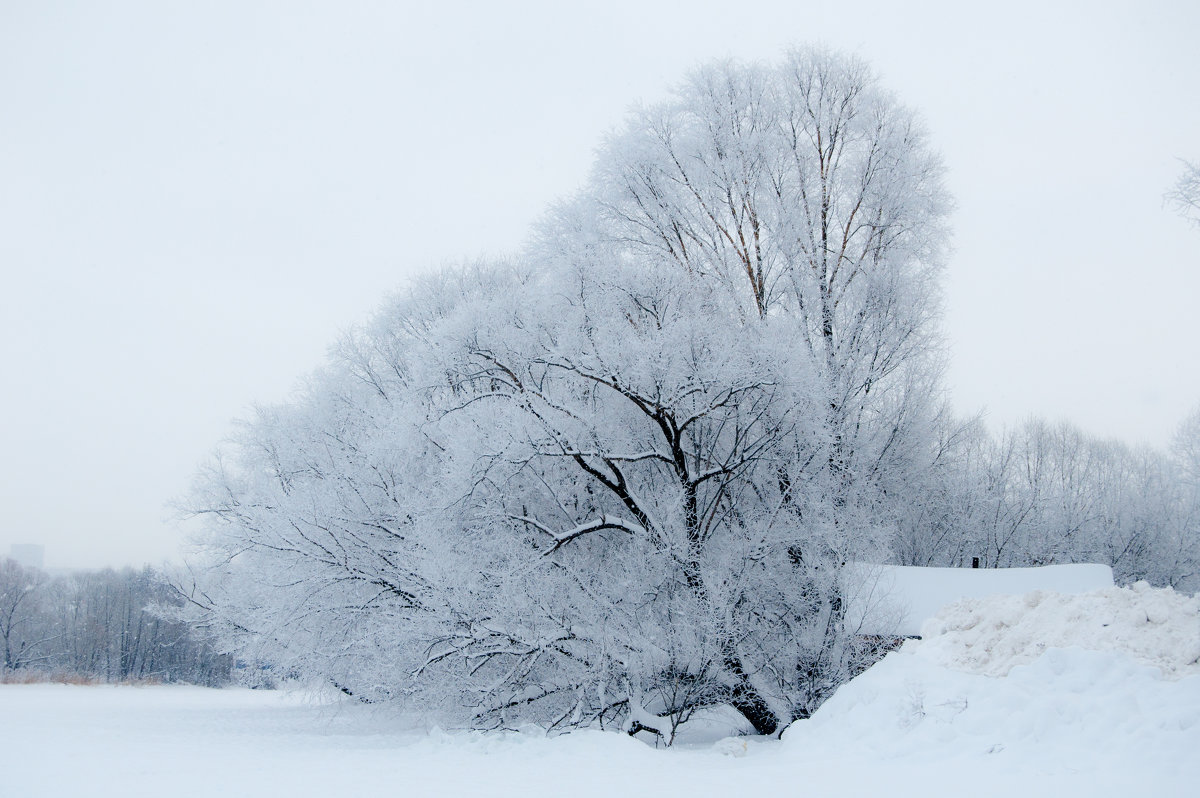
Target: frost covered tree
{"points": [[808, 193], [565, 506], [22, 631], [1185, 195], [1044, 494], [616, 481], [1185, 446]]}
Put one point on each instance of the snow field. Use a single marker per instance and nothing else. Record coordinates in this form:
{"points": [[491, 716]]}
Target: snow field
{"points": [[926, 721]]}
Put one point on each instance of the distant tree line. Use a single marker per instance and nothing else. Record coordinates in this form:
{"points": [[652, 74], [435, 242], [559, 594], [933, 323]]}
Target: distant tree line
{"points": [[1043, 494], [107, 626]]}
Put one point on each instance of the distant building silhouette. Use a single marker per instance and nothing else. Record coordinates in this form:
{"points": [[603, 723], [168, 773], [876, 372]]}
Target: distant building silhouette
{"points": [[30, 555]]}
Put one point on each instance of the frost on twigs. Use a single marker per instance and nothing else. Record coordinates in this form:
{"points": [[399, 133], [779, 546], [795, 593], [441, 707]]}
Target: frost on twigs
{"points": [[1184, 197]]}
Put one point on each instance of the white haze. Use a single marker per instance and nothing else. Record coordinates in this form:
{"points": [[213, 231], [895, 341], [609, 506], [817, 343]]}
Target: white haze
{"points": [[195, 200]]}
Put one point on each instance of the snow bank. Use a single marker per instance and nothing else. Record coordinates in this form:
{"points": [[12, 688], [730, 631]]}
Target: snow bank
{"points": [[1038, 694], [1072, 722], [897, 600], [1160, 628]]}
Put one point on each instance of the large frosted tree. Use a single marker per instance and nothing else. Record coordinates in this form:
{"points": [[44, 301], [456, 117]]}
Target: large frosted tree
{"points": [[616, 481]]}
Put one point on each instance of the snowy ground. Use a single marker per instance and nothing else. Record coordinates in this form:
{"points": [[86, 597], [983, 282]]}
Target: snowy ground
{"points": [[1097, 721]]}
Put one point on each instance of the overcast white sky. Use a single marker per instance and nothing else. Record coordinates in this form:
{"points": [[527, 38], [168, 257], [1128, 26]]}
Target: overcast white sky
{"points": [[195, 198]]}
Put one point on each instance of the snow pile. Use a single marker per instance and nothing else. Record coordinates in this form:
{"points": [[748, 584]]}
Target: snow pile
{"points": [[897, 599], [1071, 722], [1037, 694], [1160, 628]]}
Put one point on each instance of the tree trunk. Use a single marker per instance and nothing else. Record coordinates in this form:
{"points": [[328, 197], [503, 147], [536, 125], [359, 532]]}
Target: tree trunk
{"points": [[745, 698]]}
